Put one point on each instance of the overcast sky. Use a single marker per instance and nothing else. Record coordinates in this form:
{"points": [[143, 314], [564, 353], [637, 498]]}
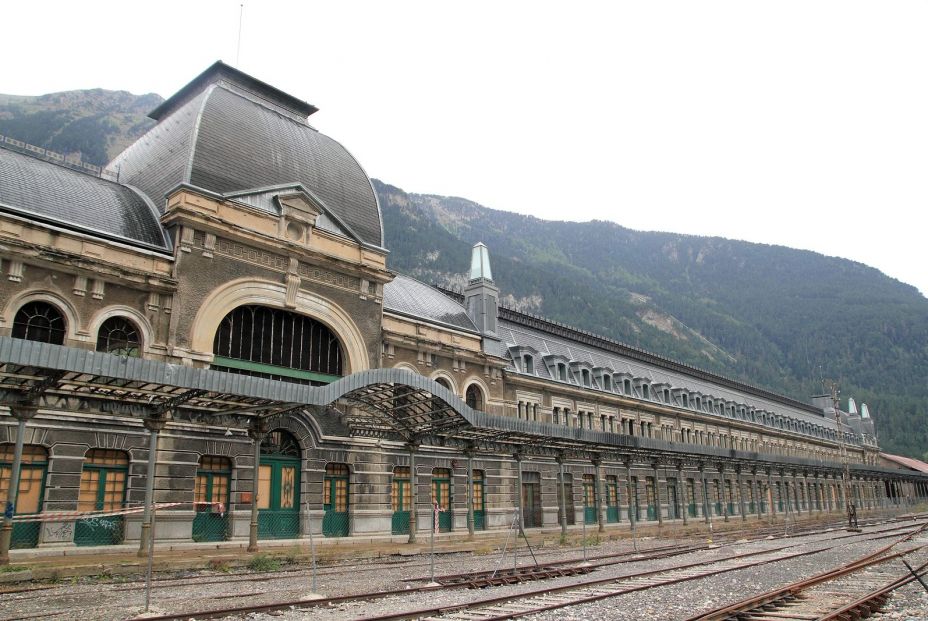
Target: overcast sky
{"points": [[796, 123]]}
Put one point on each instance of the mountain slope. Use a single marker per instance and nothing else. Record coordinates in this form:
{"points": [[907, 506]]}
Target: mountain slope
{"points": [[93, 124], [769, 315]]}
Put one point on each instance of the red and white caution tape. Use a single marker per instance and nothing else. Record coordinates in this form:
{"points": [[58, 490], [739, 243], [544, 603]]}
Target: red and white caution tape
{"points": [[67, 516]]}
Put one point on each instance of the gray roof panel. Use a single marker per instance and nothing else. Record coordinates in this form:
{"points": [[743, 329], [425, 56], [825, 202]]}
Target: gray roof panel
{"points": [[41, 190], [227, 139], [407, 296]]}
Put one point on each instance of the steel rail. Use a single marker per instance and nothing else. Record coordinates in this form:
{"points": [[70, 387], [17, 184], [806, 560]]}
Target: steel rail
{"points": [[282, 605], [732, 611], [878, 597]]}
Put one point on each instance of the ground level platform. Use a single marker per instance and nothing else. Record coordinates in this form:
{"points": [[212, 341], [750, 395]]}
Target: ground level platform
{"points": [[123, 560]]}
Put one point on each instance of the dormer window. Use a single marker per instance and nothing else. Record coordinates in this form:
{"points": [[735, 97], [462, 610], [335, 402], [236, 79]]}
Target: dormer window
{"points": [[666, 395], [585, 376], [627, 387], [686, 400], [698, 403], [645, 391], [528, 364], [607, 383], [562, 371]]}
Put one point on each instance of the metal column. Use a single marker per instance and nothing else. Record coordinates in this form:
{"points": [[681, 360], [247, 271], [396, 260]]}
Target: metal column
{"points": [[412, 493], [470, 492], [600, 517], [21, 413], [257, 433], [154, 426]]}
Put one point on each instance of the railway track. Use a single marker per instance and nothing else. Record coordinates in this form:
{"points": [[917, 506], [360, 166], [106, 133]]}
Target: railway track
{"points": [[295, 582], [846, 593], [503, 607]]}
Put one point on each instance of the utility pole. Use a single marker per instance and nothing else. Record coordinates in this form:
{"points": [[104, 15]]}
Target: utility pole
{"points": [[845, 466]]}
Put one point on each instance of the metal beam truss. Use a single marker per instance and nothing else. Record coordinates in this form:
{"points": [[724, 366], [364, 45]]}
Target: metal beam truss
{"points": [[391, 404]]}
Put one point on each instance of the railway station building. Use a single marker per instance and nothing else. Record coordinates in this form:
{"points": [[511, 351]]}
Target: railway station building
{"points": [[209, 331]]}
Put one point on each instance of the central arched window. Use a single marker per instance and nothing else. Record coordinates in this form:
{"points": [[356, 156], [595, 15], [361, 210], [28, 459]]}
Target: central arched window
{"points": [[119, 336], [474, 397], [278, 344], [39, 321]]}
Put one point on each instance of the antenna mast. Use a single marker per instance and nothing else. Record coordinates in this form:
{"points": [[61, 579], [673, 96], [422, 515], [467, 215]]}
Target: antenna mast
{"points": [[846, 469], [238, 45]]}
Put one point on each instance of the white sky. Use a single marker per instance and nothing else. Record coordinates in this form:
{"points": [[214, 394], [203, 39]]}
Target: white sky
{"points": [[796, 123]]}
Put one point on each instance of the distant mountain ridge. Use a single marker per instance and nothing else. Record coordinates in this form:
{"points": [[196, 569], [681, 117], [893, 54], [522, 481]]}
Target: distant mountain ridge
{"points": [[768, 315], [93, 124]]}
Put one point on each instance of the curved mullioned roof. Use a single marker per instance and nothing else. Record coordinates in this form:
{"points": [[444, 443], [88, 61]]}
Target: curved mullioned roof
{"points": [[226, 132], [45, 191]]}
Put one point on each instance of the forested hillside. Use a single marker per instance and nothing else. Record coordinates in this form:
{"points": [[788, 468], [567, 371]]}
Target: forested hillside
{"points": [[768, 315], [93, 124]]}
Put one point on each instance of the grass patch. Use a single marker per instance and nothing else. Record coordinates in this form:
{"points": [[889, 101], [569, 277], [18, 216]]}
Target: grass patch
{"points": [[263, 562], [9, 569]]}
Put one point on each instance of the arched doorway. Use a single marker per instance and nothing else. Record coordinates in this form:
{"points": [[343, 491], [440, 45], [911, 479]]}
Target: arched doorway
{"points": [[102, 488], [479, 501], [277, 344], [335, 521], [33, 468], [441, 497], [211, 497], [279, 487]]}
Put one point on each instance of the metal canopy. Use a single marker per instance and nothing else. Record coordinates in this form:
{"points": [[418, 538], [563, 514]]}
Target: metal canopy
{"points": [[387, 403]]}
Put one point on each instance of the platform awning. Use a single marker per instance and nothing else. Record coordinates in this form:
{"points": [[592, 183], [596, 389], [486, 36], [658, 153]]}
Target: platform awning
{"points": [[383, 403]]}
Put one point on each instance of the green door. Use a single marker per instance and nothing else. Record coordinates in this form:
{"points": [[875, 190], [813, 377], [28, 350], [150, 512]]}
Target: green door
{"points": [[335, 521], [589, 499], [673, 511], [531, 499], [612, 500], [441, 496], [211, 495], [400, 499], [479, 501], [718, 497], [279, 498], [103, 488], [33, 468]]}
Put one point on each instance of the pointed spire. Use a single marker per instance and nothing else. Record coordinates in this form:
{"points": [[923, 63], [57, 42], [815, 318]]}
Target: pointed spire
{"points": [[480, 263], [864, 411], [851, 406]]}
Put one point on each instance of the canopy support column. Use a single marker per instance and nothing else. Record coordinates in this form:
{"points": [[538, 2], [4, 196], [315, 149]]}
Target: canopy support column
{"points": [[154, 425], [257, 432], [21, 413], [413, 484]]}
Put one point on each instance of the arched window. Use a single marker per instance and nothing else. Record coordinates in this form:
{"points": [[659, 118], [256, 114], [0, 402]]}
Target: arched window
{"points": [[280, 443], [39, 321], [474, 397], [528, 364], [119, 336], [274, 343]]}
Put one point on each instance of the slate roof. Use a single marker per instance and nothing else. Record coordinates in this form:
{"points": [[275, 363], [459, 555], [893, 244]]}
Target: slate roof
{"points": [[546, 343], [227, 138], [64, 197], [908, 462], [407, 296]]}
